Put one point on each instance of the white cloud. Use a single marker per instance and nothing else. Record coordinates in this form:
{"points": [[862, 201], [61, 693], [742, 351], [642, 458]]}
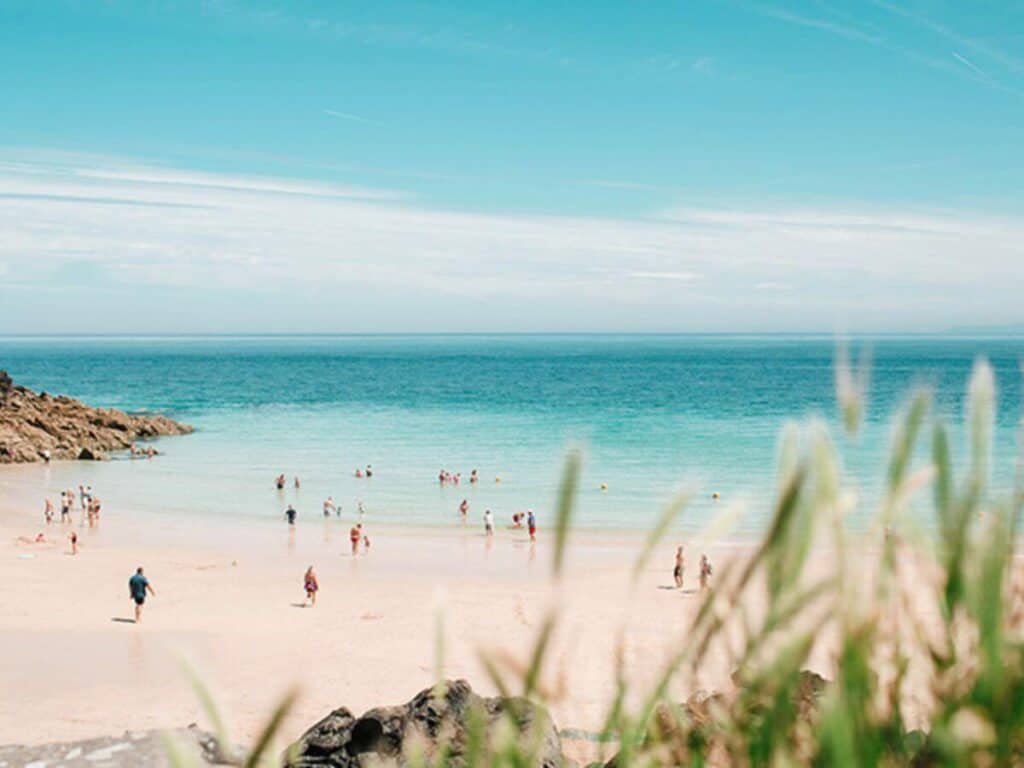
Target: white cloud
{"points": [[332, 257]]}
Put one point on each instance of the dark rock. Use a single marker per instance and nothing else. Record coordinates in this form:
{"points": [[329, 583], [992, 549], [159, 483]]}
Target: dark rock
{"points": [[41, 427], [428, 723]]}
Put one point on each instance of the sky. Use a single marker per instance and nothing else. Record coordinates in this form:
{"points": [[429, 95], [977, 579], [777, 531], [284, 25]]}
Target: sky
{"points": [[687, 166]]}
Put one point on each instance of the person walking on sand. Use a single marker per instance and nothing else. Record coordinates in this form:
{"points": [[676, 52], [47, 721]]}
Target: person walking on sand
{"points": [[290, 514], [705, 571], [354, 536], [138, 586], [488, 524], [531, 524], [48, 511], [677, 572], [311, 585]]}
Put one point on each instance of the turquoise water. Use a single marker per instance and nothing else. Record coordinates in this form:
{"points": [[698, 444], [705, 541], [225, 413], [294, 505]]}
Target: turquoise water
{"points": [[652, 413]]}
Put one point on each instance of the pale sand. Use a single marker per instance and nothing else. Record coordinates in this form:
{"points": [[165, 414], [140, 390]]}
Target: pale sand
{"points": [[72, 667]]}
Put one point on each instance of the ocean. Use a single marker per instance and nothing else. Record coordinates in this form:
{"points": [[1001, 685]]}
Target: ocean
{"points": [[652, 415]]}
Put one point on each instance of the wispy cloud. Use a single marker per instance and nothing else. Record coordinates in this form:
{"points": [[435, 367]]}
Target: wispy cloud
{"points": [[181, 249], [969, 64], [349, 116], [850, 30]]}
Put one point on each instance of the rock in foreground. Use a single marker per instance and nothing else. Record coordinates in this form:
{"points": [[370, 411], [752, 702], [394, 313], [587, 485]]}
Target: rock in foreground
{"points": [[387, 735], [35, 427], [132, 750]]}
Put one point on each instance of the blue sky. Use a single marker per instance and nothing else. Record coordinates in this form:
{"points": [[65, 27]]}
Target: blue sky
{"points": [[694, 166]]}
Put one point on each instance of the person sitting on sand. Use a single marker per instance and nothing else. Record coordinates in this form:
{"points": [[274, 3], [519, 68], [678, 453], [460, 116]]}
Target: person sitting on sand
{"points": [[138, 586], [290, 514], [311, 585], [705, 571], [354, 535], [677, 572]]}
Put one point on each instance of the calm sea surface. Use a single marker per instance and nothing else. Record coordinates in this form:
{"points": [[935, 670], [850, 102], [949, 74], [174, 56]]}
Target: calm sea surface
{"points": [[653, 413]]}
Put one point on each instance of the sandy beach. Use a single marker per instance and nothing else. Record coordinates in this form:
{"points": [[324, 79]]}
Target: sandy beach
{"points": [[229, 600]]}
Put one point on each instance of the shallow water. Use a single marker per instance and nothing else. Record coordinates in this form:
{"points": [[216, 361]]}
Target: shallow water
{"points": [[653, 413]]}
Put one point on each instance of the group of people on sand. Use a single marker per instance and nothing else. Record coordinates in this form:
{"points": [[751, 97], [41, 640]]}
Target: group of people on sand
{"points": [[87, 502], [705, 571], [444, 477]]}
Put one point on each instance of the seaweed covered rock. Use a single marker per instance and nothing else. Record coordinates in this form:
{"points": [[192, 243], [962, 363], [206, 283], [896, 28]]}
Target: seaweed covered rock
{"points": [[425, 725]]}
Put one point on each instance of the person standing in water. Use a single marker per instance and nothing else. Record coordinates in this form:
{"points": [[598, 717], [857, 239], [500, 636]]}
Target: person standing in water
{"points": [[311, 585], [138, 586], [48, 511], [531, 524], [488, 524], [329, 506], [290, 514], [464, 508], [354, 536], [677, 572]]}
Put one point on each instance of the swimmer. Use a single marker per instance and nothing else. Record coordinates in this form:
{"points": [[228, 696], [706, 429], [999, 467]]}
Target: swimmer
{"points": [[488, 524], [359, 472], [677, 572], [464, 507], [473, 477], [279, 482], [716, 496], [290, 514], [311, 585], [531, 524], [369, 471]]}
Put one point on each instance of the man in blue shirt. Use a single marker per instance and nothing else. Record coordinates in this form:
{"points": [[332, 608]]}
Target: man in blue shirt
{"points": [[138, 585]]}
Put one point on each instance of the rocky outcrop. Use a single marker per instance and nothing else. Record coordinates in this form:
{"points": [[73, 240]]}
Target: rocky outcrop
{"points": [[37, 427], [425, 725], [131, 750]]}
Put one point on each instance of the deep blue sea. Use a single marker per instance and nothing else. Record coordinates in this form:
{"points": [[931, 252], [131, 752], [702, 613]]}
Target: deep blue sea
{"points": [[652, 413]]}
